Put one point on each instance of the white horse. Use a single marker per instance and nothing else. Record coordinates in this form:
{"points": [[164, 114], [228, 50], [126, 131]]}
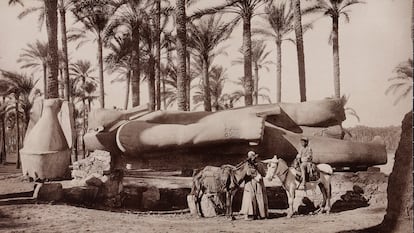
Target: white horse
{"points": [[290, 182]]}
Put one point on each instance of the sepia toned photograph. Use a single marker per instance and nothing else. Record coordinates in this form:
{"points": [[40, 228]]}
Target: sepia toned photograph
{"points": [[206, 116]]}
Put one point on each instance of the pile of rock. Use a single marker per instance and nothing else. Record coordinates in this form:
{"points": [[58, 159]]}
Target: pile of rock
{"points": [[93, 176], [95, 165]]}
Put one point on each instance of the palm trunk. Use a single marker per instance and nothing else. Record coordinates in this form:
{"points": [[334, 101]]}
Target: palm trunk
{"points": [[335, 50], [62, 12], [151, 83], [128, 84], [52, 57], [206, 87], [188, 87], [75, 144], [75, 148], [247, 54], [3, 134], [299, 49], [84, 152], [101, 77], [61, 85], [158, 55], [17, 132], [45, 79], [164, 100], [279, 72], [135, 81], [256, 83], [3, 141], [181, 54], [84, 128], [85, 118]]}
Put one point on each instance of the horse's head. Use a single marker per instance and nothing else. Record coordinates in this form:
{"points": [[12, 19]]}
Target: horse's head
{"points": [[272, 165]]}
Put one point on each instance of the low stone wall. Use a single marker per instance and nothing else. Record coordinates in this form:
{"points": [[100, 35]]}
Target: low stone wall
{"points": [[163, 192], [349, 191]]}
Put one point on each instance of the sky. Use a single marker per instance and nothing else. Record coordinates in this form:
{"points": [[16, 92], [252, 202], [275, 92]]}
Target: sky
{"points": [[372, 44]]}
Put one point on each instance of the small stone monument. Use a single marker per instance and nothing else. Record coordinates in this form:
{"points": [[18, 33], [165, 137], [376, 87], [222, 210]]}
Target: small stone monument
{"points": [[46, 153]]}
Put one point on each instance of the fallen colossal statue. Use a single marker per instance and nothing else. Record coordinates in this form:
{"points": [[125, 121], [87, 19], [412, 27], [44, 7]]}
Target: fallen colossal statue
{"points": [[172, 139]]}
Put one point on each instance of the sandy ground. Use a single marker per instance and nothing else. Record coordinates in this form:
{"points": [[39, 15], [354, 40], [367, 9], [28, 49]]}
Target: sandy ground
{"points": [[63, 218]]}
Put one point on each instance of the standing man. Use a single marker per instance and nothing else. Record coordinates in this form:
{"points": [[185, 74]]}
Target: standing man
{"points": [[305, 159], [254, 204]]}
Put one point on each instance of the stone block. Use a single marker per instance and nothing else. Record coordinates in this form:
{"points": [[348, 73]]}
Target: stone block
{"points": [[94, 181], [49, 192], [81, 195], [150, 197]]}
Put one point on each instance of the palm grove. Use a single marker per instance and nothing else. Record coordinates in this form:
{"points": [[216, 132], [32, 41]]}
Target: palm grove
{"points": [[159, 43]]}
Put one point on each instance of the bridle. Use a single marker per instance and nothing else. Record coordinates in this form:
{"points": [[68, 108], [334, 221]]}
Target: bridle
{"points": [[280, 174]]}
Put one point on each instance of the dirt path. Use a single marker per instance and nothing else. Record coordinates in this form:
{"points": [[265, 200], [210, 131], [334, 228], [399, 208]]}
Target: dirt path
{"points": [[63, 218]]}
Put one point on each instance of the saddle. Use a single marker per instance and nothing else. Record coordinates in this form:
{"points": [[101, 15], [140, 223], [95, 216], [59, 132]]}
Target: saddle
{"points": [[311, 174]]}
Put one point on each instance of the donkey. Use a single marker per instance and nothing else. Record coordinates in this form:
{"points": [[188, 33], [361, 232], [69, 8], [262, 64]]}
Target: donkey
{"points": [[221, 180], [288, 177]]}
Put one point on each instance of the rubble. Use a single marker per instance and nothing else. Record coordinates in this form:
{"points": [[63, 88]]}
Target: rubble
{"points": [[94, 178], [96, 164]]}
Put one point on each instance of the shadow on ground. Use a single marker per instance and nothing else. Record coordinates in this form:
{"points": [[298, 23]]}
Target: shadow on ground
{"points": [[374, 229], [8, 222], [350, 200], [276, 215]]}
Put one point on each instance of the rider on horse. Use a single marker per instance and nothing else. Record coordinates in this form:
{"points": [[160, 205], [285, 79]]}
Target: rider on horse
{"points": [[304, 158]]}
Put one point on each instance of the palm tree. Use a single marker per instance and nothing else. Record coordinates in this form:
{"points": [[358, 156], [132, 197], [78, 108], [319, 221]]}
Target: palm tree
{"points": [[403, 81], [83, 85], [82, 71], [259, 56], [335, 9], [238, 94], [119, 61], [244, 9], [95, 16], [206, 35], [130, 16], [35, 56], [181, 44], [23, 89], [158, 53], [299, 48], [217, 80], [40, 10], [281, 20], [163, 14], [50, 9], [3, 111], [168, 45], [147, 37], [63, 6], [169, 93], [53, 59]]}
